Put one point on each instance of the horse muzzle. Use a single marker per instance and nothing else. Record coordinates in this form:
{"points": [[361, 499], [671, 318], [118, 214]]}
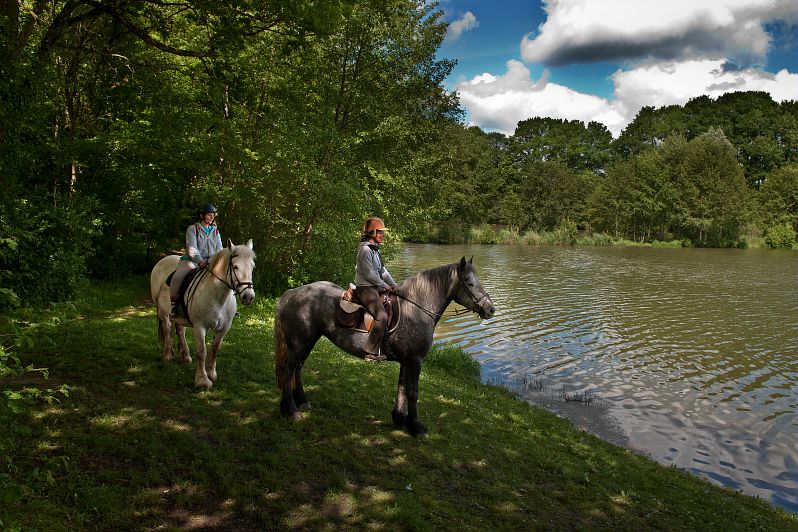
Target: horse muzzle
{"points": [[248, 296], [486, 310]]}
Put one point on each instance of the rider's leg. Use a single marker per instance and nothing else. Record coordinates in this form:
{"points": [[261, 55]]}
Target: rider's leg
{"points": [[373, 302], [183, 267]]}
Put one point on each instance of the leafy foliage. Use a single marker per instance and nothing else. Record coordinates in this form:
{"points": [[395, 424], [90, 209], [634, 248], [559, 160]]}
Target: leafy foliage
{"points": [[780, 236], [299, 119]]}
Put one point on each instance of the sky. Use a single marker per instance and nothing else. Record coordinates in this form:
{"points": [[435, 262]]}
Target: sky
{"points": [[603, 60]]}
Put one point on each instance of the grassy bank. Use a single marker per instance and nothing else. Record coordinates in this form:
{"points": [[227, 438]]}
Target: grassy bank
{"points": [[134, 446]]}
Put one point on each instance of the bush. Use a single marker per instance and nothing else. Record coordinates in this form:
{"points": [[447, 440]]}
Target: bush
{"points": [[566, 233], [780, 236], [596, 239], [483, 235], [46, 245]]}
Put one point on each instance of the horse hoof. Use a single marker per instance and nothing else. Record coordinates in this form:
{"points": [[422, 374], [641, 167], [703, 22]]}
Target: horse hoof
{"points": [[207, 384], [418, 430], [186, 360]]}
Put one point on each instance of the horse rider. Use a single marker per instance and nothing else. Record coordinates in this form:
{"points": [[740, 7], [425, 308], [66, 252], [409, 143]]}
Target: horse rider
{"points": [[203, 241], [372, 280]]}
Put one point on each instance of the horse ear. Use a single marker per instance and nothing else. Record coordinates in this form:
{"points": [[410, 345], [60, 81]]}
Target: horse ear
{"points": [[230, 244], [462, 264], [471, 260], [249, 243]]}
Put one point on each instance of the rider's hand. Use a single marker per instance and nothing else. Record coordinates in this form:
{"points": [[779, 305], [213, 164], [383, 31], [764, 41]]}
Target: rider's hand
{"points": [[202, 264], [391, 289]]}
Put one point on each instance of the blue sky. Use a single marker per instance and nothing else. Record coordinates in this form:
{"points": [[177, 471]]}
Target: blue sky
{"points": [[604, 59]]}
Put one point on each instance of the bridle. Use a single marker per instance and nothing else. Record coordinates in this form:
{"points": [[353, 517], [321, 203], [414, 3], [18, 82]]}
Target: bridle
{"points": [[474, 300], [238, 287]]}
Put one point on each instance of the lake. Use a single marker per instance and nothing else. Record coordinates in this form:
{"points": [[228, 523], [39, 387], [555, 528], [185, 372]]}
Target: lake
{"points": [[689, 356]]}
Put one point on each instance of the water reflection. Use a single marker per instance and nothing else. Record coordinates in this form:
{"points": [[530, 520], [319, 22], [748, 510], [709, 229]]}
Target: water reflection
{"points": [[693, 352]]}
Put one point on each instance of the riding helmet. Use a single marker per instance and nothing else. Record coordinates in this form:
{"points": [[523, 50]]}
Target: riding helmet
{"points": [[372, 225], [206, 208]]}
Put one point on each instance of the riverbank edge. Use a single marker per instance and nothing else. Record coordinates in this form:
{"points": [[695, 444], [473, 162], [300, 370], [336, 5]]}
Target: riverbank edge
{"points": [[490, 457], [564, 235]]}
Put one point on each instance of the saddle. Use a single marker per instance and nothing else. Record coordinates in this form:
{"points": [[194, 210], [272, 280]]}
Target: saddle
{"points": [[351, 314], [181, 291]]}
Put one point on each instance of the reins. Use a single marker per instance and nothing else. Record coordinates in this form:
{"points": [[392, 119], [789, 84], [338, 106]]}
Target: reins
{"points": [[433, 315]]}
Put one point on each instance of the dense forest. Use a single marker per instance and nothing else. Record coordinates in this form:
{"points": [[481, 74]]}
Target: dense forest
{"points": [[299, 119]]}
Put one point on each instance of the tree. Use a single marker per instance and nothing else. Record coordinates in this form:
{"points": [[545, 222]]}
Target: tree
{"points": [[713, 199], [571, 143], [778, 197]]}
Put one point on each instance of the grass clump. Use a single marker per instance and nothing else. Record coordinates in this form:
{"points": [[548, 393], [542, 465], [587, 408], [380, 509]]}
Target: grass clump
{"points": [[135, 446], [454, 361]]}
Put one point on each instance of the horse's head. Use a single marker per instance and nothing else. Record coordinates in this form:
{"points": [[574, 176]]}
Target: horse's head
{"points": [[470, 293], [242, 266]]}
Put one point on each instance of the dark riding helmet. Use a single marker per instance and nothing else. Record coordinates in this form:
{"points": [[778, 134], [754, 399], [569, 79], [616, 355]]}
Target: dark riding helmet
{"points": [[206, 208]]}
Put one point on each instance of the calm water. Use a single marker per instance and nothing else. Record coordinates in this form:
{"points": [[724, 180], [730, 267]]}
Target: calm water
{"points": [[689, 356]]}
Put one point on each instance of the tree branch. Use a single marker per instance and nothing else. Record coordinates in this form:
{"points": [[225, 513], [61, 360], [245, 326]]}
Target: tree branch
{"points": [[144, 36]]}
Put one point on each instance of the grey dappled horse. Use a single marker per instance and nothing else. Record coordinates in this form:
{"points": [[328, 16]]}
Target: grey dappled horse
{"points": [[306, 313], [211, 303]]}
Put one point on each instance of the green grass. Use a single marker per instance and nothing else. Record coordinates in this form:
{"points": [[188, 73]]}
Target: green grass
{"points": [[135, 446]]}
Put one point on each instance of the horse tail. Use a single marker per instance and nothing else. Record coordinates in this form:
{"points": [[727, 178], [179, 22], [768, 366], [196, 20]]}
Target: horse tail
{"points": [[280, 348]]}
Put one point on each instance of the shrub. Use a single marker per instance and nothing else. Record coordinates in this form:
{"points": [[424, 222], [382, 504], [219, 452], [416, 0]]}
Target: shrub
{"points": [[482, 235], [780, 236], [596, 239], [566, 233], [45, 249]]}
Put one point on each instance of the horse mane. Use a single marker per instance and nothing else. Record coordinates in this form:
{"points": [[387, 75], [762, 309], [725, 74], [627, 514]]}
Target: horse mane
{"points": [[219, 260], [435, 279]]}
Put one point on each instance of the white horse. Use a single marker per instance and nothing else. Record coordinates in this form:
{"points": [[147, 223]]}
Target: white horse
{"points": [[211, 302]]}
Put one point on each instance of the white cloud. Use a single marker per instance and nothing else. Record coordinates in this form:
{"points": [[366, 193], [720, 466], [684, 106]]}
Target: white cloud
{"points": [[500, 102], [609, 30], [467, 22], [676, 83]]}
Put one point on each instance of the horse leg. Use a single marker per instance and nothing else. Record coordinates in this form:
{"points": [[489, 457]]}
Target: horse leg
{"points": [[185, 354], [293, 392], [412, 424], [399, 412], [201, 379], [165, 329], [210, 363], [300, 399]]}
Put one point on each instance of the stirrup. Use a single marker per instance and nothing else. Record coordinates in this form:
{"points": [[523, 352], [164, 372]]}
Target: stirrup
{"points": [[174, 312], [375, 358]]}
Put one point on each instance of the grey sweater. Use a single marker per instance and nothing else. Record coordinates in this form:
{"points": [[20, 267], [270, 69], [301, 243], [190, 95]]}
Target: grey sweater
{"points": [[200, 246], [369, 269]]}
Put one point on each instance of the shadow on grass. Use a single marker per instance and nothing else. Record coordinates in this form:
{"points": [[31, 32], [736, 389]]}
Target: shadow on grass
{"points": [[135, 446]]}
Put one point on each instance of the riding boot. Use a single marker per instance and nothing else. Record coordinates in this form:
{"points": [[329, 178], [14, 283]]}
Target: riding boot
{"points": [[374, 341]]}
